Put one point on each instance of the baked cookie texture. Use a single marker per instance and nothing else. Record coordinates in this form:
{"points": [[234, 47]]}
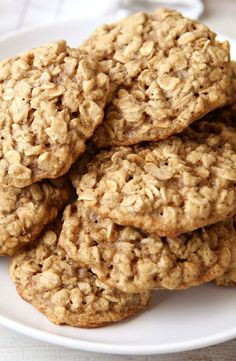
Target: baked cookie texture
{"points": [[65, 291], [168, 187], [134, 261], [229, 277], [166, 71], [25, 211], [232, 89], [51, 101]]}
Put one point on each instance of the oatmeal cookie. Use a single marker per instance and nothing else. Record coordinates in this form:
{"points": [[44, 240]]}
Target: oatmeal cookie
{"points": [[166, 71], [25, 211], [232, 89], [134, 261], [51, 101], [168, 187], [65, 291], [229, 277]]}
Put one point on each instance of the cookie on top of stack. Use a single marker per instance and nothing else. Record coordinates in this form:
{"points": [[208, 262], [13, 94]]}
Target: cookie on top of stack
{"points": [[155, 206]]}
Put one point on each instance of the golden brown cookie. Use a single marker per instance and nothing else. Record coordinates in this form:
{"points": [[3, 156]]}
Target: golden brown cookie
{"points": [[65, 291], [25, 211], [232, 89], [51, 101], [168, 187], [229, 277], [166, 71], [134, 261]]}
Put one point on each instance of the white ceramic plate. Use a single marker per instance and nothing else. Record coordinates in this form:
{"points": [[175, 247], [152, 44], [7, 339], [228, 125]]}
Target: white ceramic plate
{"points": [[175, 321]]}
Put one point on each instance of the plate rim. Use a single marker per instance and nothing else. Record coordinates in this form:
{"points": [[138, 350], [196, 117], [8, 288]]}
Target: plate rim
{"points": [[102, 347], [28, 29], [114, 349]]}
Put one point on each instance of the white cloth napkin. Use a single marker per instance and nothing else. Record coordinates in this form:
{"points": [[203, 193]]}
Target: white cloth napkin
{"points": [[16, 14]]}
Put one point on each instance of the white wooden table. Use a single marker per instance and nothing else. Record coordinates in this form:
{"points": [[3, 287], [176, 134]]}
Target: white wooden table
{"points": [[220, 16]]}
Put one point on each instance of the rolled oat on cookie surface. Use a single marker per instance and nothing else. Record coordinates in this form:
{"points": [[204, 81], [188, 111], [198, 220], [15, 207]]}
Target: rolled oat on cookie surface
{"points": [[65, 291], [135, 261], [229, 277], [231, 91], [24, 212], [166, 71], [168, 187], [51, 101]]}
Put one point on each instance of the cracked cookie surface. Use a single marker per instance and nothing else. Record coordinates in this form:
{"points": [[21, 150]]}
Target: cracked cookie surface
{"points": [[65, 291], [166, 71], [134, 261], [51, 101], [168, 187], [25, 211]]}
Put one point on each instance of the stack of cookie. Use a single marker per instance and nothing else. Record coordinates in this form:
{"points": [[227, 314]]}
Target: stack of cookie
{"points": [[155, 187]]}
